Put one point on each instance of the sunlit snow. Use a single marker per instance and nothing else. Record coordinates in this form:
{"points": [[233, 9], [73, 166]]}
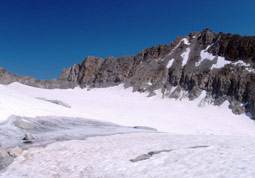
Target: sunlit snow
{"points": [[110, 156], [185, 56], [170, 63], [221, 62], [124, 107], [205, 55], [199, 150]]}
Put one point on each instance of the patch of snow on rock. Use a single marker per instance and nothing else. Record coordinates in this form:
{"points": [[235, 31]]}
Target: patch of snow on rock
{"points": [[185, 56], [221, 62], [241, 63], [185, 40], [205, 55], [170, 63]]}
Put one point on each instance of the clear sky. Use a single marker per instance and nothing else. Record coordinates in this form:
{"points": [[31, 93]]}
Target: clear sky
{"points": [[41, 37]]}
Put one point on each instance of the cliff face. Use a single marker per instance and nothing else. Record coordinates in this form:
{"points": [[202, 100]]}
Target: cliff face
{"points": [[220, 64]]}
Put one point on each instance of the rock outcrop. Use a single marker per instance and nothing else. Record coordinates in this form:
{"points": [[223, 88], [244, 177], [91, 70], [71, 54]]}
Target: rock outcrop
{"points": [[220, 64], [7, 78]]}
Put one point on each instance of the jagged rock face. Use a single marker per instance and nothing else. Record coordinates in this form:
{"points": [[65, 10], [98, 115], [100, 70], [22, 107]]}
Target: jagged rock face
{"points": [[220, 64], [84, 73]]}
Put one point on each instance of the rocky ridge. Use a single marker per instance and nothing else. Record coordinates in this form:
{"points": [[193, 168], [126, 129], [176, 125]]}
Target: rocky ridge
{"points": [[220, 64]]}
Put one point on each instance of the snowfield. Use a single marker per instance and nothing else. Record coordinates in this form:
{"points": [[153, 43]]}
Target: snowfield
{"points": [[124, 107], [17, 103], [109, 157], [195, 139]]}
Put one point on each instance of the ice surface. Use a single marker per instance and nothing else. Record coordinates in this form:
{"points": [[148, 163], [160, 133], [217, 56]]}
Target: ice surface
{"points": [[50, 129]]}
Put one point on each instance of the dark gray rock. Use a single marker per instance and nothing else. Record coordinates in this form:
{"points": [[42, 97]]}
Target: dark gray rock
{"points": [[83, 74], [141, 158], [58, 102], [149, 155], [28, 138], [145, 128]]}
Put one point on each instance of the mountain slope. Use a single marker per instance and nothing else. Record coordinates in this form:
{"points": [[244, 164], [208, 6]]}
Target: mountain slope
{"points": [[220, 64], [185, 80]]}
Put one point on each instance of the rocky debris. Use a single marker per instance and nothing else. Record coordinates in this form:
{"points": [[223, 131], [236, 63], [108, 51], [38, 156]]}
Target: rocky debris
{"points": [[148, 155], [58, 102], [151, 153], [201, 61], [28, 138]]}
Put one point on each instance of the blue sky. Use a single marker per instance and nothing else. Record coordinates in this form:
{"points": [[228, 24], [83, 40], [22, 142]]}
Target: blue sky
{"points": [[41, 37]]}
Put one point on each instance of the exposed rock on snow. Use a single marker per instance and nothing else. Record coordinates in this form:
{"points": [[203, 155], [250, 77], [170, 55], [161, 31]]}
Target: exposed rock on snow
{"points": [[145, 128], [148, 155], [28, 139], [56, 102], [151, 153]]}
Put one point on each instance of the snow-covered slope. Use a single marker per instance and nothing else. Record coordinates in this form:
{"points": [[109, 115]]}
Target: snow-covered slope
{"points": [[18, 103], [164, 156], [124, 107], [196, 153]]}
